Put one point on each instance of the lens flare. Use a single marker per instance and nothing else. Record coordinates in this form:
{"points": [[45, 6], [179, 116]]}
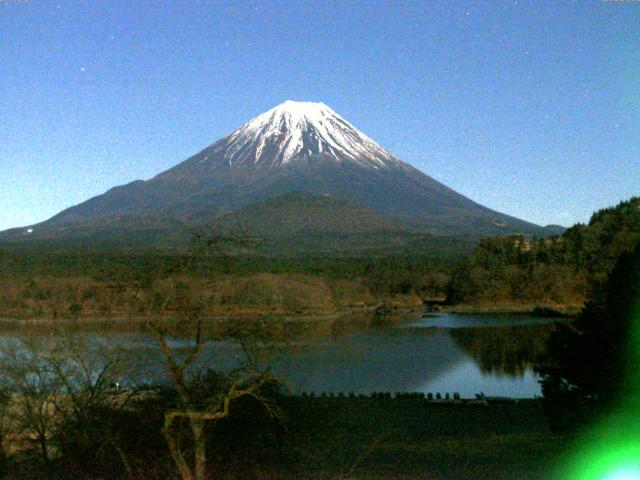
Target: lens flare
{"points": [[611, 449], [624, 473]]}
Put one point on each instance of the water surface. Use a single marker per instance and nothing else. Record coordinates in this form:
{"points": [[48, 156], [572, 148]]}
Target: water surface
{"points": [[468, 354]]}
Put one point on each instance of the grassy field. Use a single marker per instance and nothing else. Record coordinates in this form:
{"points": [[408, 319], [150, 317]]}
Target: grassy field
{"points": [[412, 439]]}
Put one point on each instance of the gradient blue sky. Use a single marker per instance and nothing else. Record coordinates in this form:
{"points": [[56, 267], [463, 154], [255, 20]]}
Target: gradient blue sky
{"points": [[528, 107]]}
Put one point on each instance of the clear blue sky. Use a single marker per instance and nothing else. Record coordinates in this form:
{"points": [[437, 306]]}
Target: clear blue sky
{"points": [[528, 107]]}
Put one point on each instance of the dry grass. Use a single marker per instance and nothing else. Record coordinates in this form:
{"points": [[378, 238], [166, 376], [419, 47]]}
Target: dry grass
{"points": [[222, 295]]}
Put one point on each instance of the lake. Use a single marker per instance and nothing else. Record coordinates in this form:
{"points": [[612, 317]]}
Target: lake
{"points": [[442, 353], [434, 353]]}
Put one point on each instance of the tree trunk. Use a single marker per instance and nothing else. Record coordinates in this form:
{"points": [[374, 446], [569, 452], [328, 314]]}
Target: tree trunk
{"points": [[200, 448], [42, 440], [3, 453], [174, 449]]}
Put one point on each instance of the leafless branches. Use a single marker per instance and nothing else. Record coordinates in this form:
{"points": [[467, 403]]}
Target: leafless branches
{"points": [[198, 412], [55, 379]]}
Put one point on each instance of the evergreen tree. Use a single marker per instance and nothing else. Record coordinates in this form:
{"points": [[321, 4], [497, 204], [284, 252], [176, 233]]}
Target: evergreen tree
{"points": [[592, 363]]}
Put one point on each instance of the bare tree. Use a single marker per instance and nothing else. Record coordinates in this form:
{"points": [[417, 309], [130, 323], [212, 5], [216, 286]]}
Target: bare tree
{"points": [[91, 374], [54, 385], [35, 390], [198, 412]]}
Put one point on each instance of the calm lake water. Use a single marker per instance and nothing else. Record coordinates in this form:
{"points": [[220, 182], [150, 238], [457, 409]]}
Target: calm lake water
{"points": [[442, 353], [468, 354]]}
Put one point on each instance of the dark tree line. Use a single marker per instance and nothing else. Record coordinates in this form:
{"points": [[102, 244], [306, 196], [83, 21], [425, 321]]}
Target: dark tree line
{"points": [[592, 364], [561, 269]]}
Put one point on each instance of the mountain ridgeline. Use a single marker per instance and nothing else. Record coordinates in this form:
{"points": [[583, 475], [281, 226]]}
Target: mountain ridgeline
{"points": [[251, 177]]}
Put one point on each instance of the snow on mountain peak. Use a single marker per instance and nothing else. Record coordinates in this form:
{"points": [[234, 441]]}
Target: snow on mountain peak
{"points": [[302, 131]]}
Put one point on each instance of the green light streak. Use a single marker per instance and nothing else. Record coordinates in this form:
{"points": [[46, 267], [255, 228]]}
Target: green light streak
{"points": [[630, 473], [611, 449]]}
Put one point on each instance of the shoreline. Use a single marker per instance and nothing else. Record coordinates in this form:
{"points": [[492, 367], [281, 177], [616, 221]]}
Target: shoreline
{"points": [[539, 309], [384, 311], [560, 310]]}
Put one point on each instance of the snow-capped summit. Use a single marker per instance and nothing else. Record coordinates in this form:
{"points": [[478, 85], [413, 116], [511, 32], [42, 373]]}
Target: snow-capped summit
{"points": [[296, 147], [301, 131]]}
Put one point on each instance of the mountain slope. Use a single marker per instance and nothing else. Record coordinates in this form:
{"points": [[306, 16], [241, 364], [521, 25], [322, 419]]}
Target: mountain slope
{"points": [[299, 214], [294, 147]]}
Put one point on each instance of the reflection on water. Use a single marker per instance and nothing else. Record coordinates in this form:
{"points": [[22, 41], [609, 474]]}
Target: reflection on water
{"points": [[510, 351], [456, 320], [374, 360], [444, 353], [418, 356]]}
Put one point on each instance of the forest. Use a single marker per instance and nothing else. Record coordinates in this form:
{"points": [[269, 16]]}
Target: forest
{"points": [[501, 273], [555, 270]]}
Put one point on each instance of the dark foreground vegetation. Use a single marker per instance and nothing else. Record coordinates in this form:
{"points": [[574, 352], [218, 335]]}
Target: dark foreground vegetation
{"points": [[591, 365], [307, 438]]}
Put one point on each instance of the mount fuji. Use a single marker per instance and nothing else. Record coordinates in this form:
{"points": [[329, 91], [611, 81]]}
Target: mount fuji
{"points": [[303, 152]]}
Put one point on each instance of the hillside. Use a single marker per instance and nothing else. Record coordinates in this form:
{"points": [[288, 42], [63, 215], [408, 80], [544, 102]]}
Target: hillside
{"points": [[556, 270], [297, 213]]}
